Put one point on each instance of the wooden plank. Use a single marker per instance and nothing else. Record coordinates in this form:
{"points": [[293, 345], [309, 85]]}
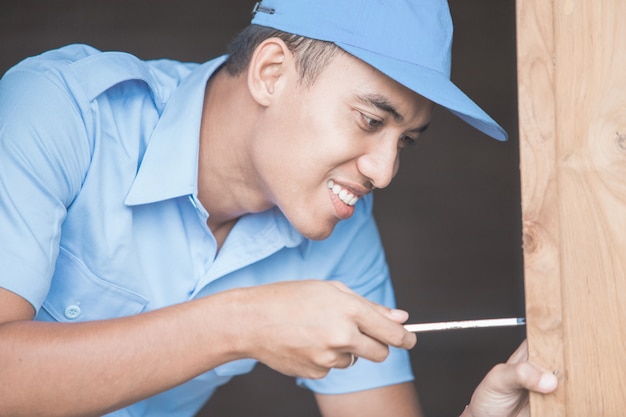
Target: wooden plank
{"points": [[592, 92], [539, 187], [572, 107]]}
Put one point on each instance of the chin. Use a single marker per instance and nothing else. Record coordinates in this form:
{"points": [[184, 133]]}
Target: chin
{"points": [[310, 224], [317, 236], [316, 233]]}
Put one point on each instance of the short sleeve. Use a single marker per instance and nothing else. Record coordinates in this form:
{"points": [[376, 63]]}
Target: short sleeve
{"points": [[44, 155]]}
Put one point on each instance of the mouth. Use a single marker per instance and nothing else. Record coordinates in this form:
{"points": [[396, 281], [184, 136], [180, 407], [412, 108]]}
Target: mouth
{"points": [[346, 197]]}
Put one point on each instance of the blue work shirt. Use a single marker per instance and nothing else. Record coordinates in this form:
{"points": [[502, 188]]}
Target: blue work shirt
{"points": [[99, 215]]}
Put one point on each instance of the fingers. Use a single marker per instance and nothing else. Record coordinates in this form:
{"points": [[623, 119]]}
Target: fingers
{"points": [[520, 354], [380, 323], [529, 375], [504, 391], [385, 325], [522, 375], [350, 360], [320, 327], [536, 379], [397, 315]]}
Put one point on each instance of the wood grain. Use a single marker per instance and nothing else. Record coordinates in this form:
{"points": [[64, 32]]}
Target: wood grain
{"points": [[572, 113]]}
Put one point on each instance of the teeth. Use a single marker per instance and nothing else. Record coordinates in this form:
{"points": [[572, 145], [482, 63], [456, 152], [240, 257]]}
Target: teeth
{"points": [[344, 195]]}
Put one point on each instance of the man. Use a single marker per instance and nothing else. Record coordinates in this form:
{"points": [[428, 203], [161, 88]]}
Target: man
{"points": [[167, 225]]}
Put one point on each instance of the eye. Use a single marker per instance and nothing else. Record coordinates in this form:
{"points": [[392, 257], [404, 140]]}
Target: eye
{"points": [[406, 141], [370, 124]]}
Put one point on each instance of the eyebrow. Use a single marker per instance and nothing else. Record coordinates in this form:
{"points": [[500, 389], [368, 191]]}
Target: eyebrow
{"points": [[382, 103]]}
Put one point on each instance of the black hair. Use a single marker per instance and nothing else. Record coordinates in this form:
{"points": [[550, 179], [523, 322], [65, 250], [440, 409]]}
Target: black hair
{"points": [[311, 55]]}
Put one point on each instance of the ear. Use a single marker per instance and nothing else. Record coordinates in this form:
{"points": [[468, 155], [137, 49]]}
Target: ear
{"points": [[269, 65]]}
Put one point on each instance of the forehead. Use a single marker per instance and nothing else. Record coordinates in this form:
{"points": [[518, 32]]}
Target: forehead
{"points": [[347, 74]]}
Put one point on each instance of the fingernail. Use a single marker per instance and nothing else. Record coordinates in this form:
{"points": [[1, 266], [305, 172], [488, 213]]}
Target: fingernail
{"points": [[547, 382], [398, 314]]}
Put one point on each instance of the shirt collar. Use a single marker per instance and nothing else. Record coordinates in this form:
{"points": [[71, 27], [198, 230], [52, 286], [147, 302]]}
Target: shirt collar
{"points": [[170, 164], [256, 236], [169, 167]]}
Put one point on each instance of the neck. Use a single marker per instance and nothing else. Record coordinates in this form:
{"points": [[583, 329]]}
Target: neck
{"points": [[228, 187]]}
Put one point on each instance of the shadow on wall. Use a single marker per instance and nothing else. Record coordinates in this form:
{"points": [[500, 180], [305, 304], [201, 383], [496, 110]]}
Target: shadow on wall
{"points": [[450, 221]]}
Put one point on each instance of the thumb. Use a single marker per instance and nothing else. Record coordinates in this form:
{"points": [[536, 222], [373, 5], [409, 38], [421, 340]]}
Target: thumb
{"points": [[531, 376], [547, 383], [528, 376]]}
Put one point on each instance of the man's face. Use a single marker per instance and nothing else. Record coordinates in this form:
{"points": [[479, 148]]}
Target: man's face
{"points": [[322, 147]]}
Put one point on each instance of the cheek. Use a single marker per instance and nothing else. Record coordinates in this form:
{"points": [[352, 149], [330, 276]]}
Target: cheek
{"points": [[319, 134]]}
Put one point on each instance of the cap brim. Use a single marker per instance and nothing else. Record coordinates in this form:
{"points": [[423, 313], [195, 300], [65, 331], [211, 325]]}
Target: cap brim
{"points": [[432, 85]]}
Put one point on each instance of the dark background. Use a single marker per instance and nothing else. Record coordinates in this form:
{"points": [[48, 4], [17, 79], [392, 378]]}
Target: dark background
{"points": [[450, 221]]}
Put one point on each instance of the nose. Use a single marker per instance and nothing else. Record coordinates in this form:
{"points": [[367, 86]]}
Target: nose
{"points": [[380, 164]]}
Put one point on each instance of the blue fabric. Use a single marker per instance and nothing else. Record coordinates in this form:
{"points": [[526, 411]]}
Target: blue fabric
{"points": [[99, 215]]}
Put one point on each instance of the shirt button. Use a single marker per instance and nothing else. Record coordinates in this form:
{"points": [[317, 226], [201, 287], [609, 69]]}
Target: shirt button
{"points": [[72, 312]]}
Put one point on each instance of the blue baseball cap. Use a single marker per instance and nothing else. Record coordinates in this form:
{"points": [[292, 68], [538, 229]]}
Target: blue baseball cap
{"points": [[407, 40]]}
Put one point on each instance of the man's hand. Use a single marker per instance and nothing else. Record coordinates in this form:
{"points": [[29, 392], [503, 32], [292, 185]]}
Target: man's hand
{"points": [[305, 328], [504, 391]]}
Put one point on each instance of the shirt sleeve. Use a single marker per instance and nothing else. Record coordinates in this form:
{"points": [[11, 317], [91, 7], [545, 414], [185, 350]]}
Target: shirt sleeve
{"points": [[363, 267], [44, 156]]}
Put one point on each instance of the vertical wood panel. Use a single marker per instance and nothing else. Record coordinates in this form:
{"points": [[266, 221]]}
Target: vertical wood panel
{"points": [[572, 109], [539, 186]]}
